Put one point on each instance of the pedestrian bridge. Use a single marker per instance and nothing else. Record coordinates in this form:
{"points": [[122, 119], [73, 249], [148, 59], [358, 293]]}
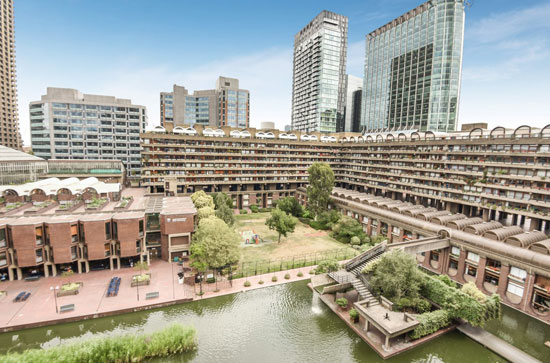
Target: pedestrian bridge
{"points": [[421, 245]]}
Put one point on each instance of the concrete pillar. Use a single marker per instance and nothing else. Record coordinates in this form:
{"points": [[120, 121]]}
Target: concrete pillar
{"points": [[369, 227], [387, 345], [481, 272], [485, 215], [378, 227], [534, 224], [401, 234], [389, 236], [527, 291], [461, 267], [503, 280], [444, 260]]}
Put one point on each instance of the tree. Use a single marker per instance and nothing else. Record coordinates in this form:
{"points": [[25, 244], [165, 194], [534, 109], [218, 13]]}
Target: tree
{"points": [[225, 213], [347, 228], [68, 274], [221, 198], [281, 222], [214, 243], [204, 212], [396, 276], [201, 199], [329, 219], [141, 267], [290, 205], [321, 182]]}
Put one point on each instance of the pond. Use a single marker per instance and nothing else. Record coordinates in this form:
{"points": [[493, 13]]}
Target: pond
{"points": [[281, 323]]}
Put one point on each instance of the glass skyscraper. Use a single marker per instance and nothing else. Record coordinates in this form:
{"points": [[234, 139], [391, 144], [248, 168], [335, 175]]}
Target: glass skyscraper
{"points": [[413, 70], [318, 90]]}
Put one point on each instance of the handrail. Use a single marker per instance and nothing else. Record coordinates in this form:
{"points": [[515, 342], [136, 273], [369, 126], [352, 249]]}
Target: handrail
{"points": [[371, 252]]}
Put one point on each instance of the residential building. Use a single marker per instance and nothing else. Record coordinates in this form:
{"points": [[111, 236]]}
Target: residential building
{"points": [[352, 110], [9, 116], [318, 83], [227, 104], [413, 70], [17, 167], [55, 225], [67, 124]]}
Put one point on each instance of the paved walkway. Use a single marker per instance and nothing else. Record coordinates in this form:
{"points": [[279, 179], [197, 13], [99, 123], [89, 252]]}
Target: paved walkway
{"points": [[496, 344], [91, 302]]}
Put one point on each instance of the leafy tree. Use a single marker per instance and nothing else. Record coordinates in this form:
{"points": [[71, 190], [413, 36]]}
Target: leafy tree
{"points": [[221, 198], [204, 213], [327, 266], [471, 289], [141, 267], [215, 243], [396, 276], [290, 205], [68, 274], [225, 213], [321, 182], [347, 228], [329, 218], [201, 199], [281, 222]]}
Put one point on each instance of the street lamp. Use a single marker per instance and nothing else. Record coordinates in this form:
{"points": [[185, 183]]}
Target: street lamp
{"points": [[55, 296]]}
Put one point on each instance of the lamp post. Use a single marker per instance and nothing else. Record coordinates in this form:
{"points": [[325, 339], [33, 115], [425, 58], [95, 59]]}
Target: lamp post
{"points": [[55, 296]]}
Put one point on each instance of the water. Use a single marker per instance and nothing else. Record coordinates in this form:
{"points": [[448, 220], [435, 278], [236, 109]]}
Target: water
{"points": [[285, 323]]}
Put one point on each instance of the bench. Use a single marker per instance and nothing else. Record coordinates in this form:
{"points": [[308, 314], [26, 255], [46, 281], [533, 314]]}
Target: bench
{"points": [[65, 308], [151, 295], [32, 278]]}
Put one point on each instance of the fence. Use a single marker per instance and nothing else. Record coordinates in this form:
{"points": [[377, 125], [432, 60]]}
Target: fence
{"points": [[260, 267]]}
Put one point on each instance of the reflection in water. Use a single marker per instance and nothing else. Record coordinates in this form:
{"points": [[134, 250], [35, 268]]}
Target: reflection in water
{"points": [[285, 323]]}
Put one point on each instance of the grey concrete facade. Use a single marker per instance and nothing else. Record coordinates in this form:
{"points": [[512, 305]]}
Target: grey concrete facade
{"points": [[352, 110], [67, 124]]}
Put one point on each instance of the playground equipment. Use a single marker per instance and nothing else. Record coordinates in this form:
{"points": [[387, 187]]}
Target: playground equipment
{"points": [[251, 238]]}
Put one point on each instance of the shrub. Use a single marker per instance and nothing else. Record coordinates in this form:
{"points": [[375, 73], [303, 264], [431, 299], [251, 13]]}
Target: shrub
{"points": [[329, 219], [355, 241], [397, 276], [265, 210], [254, 208], [354, 314], [471, 289], [327, 266], [287, 276], [261, 282], [370, 267], [342, 302], [243, 211], [135, 347], [419, 305], [430, 323], [446, 280], [247, 283], [274, 279], [347, 228], [300, 274], [291, 206]]}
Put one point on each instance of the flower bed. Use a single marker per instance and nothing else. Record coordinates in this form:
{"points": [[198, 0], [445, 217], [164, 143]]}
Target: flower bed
{"points": [[124, 203], [97, 204], [141, 280], [71, 288]]}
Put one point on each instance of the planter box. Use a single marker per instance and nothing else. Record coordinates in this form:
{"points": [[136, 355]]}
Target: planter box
{"points": [[70, 292], [118, 206], [70, 209], [141, 283]]}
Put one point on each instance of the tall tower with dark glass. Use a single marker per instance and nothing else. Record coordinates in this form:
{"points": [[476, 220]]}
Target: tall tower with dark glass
{"points": [[318, 83], [413, 70]]}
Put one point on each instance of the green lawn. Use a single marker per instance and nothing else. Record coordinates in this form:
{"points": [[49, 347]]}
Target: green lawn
{"points": [[305, 242]]}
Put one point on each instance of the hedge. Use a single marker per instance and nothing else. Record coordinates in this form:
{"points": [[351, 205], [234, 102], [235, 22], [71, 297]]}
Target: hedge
{"points": [[430, 322], [174, 339], [459, 304]]}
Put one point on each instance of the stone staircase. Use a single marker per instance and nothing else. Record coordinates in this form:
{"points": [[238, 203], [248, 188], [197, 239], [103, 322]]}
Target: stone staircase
{"points": [[363, 292], [358, 268]]}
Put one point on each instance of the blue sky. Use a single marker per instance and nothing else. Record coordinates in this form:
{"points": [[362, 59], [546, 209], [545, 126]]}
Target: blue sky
{"points": [[136, 48]]}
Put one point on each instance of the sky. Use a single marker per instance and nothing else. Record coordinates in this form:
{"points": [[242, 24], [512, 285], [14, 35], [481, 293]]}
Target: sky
{"points": [[137, 48]]}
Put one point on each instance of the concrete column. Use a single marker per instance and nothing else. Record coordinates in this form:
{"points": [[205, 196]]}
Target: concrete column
{"points": [[461, 267], [378, 227], [486, 215], [481, 272], [444, 260], [534, 224], [369, 227], [401, 234], [503, 280], [387, 345], [527, 291], [389, 236]]}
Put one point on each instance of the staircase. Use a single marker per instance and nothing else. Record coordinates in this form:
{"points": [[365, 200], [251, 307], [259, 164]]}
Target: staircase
{"points": [[363, 292], [358, 268]]}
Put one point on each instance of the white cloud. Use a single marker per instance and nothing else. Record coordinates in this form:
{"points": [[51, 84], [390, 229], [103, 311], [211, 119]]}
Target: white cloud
{"points": [[267, 74]]}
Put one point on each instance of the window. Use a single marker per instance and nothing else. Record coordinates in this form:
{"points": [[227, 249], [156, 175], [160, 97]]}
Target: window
{"points": [[108, 231], [115, 230], [74, 233], [141, 227], [138, 246], [3, 258], [38, 235], [455, 251], [107, 249], [515, 288], [474, 257], [74, 254], [3, 237], [39, 255], [518, 273]]}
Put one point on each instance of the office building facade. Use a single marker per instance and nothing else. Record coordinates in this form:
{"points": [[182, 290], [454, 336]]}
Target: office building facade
{"points": [[318, 83], [226, 105], [67, 124], [413, 70], [9, 116], [352, 110]]}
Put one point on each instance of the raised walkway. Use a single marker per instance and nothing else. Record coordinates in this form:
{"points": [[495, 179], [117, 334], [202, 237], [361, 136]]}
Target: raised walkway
{"points": [[496, 344]]}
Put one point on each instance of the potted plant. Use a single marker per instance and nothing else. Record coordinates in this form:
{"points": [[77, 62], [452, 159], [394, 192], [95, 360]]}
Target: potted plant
{"points": [[342, 303], [143, 278], [354, 315]]}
